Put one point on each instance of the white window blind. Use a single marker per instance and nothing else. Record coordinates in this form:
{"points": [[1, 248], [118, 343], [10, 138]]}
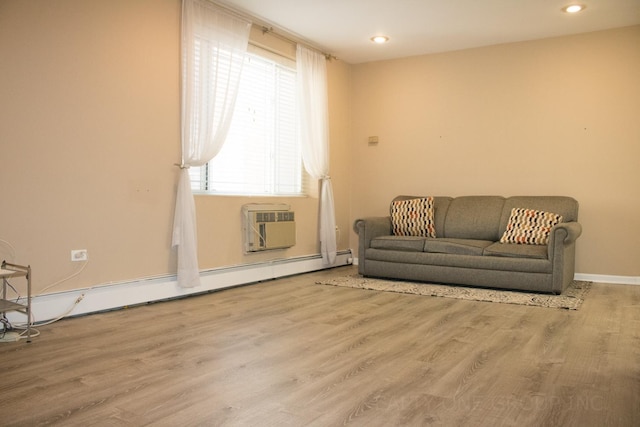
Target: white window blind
{"points": [[261, 155]]}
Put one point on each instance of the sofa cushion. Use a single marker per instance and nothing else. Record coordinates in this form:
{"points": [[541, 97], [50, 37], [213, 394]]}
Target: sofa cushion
{"points": [[529, 226], [399, 243], [474, 217], [413, 217], [516, 250], [456, 246], [430, 259]]}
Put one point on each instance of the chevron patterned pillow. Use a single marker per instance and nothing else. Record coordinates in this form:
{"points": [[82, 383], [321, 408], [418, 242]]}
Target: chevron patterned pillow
{"points": [[529, 226], [413, 217]]}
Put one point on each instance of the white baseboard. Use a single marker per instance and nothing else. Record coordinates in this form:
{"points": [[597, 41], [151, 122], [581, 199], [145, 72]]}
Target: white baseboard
{"points": [[599, 278], [113, 296], [604, 278]]}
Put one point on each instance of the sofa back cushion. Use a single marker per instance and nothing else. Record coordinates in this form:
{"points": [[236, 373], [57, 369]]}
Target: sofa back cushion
{"points": [[440, 207], [474, 217], [567, 207], [486, 217]]}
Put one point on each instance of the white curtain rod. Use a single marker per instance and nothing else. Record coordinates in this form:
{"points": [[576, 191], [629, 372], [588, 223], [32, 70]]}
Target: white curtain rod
{"points": [[268, 28]]}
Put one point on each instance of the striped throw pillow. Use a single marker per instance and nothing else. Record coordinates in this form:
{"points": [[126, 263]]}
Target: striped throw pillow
{"points": [[529, 226], [413, 217]]}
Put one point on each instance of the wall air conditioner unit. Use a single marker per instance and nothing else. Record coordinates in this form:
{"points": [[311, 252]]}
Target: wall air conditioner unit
{"points": [[268, 226]]}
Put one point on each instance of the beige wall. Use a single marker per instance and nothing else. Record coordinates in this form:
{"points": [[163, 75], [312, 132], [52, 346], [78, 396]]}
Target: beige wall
{"points": [[557, 116], [89, 134], [89, 108]]}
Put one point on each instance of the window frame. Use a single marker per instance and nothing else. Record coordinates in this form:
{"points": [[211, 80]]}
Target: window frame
{"points": [[201, 176]]}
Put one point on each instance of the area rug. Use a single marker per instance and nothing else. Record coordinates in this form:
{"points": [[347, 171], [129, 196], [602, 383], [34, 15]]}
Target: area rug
{"points": [[571, 299]]}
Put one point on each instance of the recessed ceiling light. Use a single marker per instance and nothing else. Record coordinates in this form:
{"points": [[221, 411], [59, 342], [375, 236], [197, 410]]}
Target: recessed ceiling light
{"points": [[380, 39], [573, 8]]}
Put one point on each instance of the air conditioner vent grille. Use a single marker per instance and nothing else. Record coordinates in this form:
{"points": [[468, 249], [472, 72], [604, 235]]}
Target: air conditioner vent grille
{"points": [[275, 216]]}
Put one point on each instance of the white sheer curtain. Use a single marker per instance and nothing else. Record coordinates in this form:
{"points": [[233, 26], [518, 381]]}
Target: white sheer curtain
{"points": [[213, 47], [314, 134]]}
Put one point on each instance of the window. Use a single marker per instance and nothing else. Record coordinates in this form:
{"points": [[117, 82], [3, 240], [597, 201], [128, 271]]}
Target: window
{"points": [[262, 154]]}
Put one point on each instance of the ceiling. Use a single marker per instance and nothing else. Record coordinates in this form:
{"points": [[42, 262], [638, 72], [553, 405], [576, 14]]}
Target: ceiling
{"points": [[343, 28]]}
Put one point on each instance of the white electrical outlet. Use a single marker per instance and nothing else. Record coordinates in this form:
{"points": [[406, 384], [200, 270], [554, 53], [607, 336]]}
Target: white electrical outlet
{"points": [[79, 255]]}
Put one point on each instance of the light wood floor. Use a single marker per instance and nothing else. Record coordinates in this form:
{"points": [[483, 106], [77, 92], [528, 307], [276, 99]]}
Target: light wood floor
{"points": [[292, 353]]}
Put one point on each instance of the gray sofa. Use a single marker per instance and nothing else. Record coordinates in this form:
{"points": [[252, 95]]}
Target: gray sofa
{"points": [[467, 250]]}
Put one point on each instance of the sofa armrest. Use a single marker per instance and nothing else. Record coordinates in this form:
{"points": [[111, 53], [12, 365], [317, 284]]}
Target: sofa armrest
{"points": [[563, 235], [373, 227], [562, 253], [368, 229], [567, 231]]}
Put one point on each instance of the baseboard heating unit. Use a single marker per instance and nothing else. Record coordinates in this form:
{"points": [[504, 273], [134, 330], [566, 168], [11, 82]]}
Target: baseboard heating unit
{"points": [[141, 291]]}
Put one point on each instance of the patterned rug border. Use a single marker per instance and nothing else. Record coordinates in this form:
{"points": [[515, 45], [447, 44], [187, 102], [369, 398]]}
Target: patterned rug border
{"points": [[571, 299]]}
